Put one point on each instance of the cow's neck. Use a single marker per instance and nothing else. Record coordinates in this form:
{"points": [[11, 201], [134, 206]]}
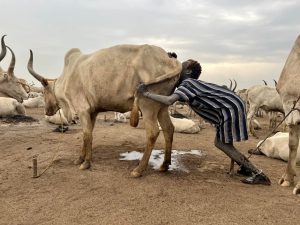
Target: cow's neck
{"points": [[2, 94]]}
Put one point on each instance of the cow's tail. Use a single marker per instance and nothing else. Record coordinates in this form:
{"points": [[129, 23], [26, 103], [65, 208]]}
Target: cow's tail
{"points": [[134, 116]]}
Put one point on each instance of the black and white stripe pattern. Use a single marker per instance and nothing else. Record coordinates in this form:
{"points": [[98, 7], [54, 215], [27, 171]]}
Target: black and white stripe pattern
{"points": [[217, 105]]}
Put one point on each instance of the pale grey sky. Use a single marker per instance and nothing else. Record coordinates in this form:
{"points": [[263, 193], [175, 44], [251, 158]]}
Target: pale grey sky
{"points": [[248, 40]]}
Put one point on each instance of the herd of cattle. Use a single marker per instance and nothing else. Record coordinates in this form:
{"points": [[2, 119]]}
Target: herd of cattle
{"points": [[107, 79]]}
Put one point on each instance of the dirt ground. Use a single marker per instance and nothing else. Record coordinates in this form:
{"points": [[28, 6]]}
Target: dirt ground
{"points": [[106, 194]]}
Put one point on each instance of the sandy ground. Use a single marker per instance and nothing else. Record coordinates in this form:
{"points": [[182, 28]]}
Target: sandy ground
{"points": [[106, 194]]}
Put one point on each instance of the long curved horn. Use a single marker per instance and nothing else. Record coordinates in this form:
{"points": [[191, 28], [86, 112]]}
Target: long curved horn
{"points": [[33, 73], [275, 82], [3, 51], [265, 82], [12, 64], [235, 85], [230, 86]]}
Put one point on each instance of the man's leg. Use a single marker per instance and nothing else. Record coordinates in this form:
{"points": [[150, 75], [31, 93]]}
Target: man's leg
{"points": [[241, 160]]}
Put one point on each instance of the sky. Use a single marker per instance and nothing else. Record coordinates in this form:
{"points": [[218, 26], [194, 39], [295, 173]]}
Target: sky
{"points": [[246, 40]]}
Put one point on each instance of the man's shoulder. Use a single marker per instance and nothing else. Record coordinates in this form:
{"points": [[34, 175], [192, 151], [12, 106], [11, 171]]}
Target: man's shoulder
{"points": [[190, 81]]}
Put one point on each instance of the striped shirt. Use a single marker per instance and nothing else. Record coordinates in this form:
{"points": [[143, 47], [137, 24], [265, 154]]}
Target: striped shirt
{"points": [[217, 105]]}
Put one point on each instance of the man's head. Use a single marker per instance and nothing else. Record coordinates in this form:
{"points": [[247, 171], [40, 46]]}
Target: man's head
{"points": [[190, 69]]}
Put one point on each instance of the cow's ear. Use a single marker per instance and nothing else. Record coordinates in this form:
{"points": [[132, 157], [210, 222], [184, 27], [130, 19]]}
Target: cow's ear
{"points": [[6, 76]]}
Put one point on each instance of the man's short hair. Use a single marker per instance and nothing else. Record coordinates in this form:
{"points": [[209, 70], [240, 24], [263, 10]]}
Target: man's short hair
{"points": [[192, 68]]}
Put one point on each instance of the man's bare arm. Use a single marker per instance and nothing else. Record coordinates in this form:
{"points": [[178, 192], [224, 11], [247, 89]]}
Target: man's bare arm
{"points": [[167, 100]]}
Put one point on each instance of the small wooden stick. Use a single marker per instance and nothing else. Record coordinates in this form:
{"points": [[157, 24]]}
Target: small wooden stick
{"points": [[34, 167]]}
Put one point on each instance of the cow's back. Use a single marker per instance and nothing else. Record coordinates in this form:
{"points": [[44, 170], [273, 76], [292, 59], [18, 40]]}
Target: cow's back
{"points": [[107, 79], [289, 79]]}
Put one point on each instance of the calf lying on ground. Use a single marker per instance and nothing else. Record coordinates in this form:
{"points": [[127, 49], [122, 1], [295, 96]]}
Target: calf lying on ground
{"points": [[277, 147], [57, 118], [10, 107], [122, 117], [183, 125], [33, 94], [34, 102]]}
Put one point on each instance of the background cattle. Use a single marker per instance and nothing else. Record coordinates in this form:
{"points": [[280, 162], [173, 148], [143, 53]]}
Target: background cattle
{"points": [[58, 118], [11, 107], [277, 147], [36, 102], [9, 84], [184, 125], [264, 97]]}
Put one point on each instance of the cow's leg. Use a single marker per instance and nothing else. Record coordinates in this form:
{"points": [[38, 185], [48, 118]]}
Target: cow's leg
{"points": [[272, 119], [231, 169], [168, 131], [21, 109], [152, 132], [288, 177], [87, 121], [251, 113]]}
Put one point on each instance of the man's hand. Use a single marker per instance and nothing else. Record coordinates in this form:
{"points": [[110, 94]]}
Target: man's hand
{"points": [[142, 89]]}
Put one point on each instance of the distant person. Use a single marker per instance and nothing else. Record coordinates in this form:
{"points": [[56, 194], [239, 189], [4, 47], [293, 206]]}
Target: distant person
{"points": [[217, 105]]}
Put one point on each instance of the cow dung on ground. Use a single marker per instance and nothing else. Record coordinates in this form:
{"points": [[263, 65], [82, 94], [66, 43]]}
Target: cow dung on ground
{"points": [[18, 119]]}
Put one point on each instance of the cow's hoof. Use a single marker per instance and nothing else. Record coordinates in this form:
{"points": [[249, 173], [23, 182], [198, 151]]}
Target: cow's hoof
{"points": [[230, 173], [78, 161], [85, 165], [296, 190], [164, 168], [135, 174], [284, 183]]}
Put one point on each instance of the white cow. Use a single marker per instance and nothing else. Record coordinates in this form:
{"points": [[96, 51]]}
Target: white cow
{"points": [[277, 147], [183, 125], [289, 91], [36, 102], [106, 80], [11, 107], [58, 118], [264, 97], [33, 94], [36, 89], [242, 94], [122, 117], [10, 85]]}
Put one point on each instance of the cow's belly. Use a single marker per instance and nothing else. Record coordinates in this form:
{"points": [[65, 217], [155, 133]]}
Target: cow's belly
{"points": [[118, 105]]}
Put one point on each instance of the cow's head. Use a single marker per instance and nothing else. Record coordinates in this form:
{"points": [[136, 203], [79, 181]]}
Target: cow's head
{"points": [[9, 83], [290, 97], [51, 104]]}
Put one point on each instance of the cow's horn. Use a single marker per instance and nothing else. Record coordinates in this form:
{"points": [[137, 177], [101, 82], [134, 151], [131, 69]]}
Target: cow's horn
{"points": [[265, 82], [230, 86], [3, 50], [275, 82], [11, 67], [33, 73], [235, 85]]}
